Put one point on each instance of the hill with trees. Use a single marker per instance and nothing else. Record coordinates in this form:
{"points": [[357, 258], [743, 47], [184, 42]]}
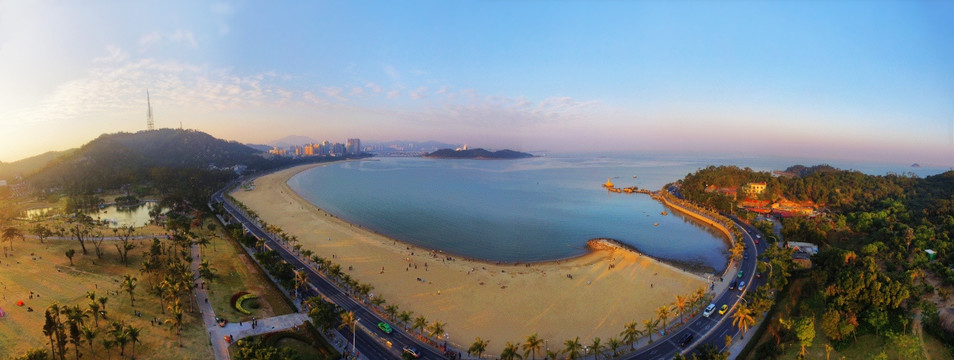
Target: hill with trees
{"points": [[477, 154], [186, 165]]}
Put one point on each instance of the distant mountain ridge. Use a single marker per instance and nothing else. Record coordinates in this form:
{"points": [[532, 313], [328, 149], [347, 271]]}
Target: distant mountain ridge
{"points": [[25, 167], [477, 154], [292, 140]]}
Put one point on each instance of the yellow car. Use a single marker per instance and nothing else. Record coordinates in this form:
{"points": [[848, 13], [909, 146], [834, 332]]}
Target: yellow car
{"points": [[723, 309]]}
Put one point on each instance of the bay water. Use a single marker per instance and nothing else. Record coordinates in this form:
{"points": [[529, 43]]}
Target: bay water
{"points": [[526, 210]]}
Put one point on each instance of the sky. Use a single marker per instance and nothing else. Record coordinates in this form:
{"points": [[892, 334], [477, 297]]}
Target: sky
{"points": [[855, 80]]}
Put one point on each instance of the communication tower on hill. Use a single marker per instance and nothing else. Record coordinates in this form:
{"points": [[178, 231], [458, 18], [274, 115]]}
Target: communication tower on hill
{"points": [[150, 125]]}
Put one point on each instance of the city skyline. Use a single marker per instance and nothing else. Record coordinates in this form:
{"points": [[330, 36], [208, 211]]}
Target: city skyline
{"points": [[866, 81]]}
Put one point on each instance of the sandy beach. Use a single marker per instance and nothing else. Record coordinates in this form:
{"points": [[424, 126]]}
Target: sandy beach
{"points": [[583, 296]]}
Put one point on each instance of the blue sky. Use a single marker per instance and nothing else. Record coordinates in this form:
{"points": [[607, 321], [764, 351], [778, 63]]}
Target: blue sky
{"points": [[866, 81]]}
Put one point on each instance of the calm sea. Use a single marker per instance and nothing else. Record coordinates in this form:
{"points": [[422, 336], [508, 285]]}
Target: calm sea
{"points": [[537, 209]]}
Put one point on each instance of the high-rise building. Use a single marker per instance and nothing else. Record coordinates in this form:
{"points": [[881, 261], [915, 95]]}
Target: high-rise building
{"points": [[353, 147]]}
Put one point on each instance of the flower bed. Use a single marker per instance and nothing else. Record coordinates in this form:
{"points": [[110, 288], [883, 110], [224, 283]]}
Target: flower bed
{"points": [[238, 303]]}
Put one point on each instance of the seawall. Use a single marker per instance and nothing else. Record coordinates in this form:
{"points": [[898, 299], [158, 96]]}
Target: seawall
{"points": [[696, 216]]}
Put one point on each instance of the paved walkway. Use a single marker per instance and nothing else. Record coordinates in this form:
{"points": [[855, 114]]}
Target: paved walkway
{"points": [[219, 347], [264, 326]]}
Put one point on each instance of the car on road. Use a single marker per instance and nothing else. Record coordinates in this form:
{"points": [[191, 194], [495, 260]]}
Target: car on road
{"points": [[723, 309], [740, 273], [742, 285], [732, 285], [410, 350], [384, 327], [709, 310], [685, 339]]}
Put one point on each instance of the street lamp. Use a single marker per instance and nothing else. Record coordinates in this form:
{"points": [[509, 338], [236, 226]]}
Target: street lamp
{"points": [[354, 328]]}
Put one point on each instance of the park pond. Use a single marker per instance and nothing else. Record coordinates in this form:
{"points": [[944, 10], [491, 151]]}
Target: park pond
{"points": [[113, 215], [117, 216]]}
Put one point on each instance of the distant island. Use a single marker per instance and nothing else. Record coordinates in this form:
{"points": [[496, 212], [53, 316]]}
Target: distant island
{"points": [[915, 165], [477, 154]]}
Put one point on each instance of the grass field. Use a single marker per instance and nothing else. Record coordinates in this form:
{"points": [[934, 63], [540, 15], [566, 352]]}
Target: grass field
{"points": [[45, 270], [237, 272]]}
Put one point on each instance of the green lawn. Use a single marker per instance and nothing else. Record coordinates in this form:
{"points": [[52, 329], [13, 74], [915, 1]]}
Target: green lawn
{"points": [[236, 272]]}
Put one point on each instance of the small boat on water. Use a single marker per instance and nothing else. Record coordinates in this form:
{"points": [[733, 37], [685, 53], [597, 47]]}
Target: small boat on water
{"points": [[663, 213]]}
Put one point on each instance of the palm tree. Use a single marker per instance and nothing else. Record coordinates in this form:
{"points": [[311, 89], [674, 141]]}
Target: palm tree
{"points": [[102, 301], [377, 301], [93, 308], [552, 355], [630, 334], [108, 345], [10, 233], [348, 320], [406, 317], [392, 311], [742, 318], [597, 347], [160, 289], [420, 323], [613, 345], [133, 333], [90, 335], [437, 329], [680, 305], [532, 345], [478, 347], [120, 337], [699, 297], [650, 326], [176, 321], [129, 284], [663, 313], [510, 352], [572, 348]]}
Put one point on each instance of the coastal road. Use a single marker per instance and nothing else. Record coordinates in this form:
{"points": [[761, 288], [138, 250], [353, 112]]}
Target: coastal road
{"points": [[367, 344], [711, 330]]}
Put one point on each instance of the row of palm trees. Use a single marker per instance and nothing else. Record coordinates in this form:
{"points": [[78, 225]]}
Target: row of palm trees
{"points": [[573, 349]]}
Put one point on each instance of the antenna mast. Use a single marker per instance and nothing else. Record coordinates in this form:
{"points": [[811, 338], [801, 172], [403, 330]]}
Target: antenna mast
{"points": [[149, 123]]}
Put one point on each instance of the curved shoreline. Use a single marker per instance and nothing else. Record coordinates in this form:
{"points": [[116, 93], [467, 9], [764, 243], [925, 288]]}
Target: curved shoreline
{"points": [[559, 299], [590, 247]]}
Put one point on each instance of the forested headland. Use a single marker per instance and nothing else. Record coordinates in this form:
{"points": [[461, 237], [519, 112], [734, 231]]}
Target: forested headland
{"points": [[874, 273]]}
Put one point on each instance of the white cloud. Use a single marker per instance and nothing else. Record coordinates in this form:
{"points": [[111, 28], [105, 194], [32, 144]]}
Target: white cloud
{"points": [[418, 93], [147, 40], [393, 94], [374, 87], [184, 36], [113, 55], [118, 85], [334, 93], [357, 90]]}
